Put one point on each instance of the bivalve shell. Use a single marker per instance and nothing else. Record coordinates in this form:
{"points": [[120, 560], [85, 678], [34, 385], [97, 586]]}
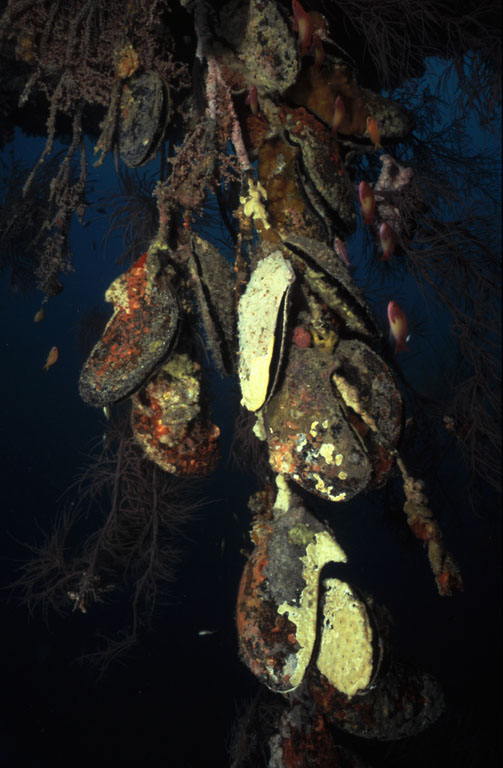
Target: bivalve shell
{"points": [[346, 655], [213, 286], [136, 338], [309, 436], [262, 308], [277, 603], [402, 703], [143, 114], [329, 279], [262, 50], [169, 422]]}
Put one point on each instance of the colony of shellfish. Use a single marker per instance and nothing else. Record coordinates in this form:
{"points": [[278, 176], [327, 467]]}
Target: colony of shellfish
{"points": [[290, 321]]}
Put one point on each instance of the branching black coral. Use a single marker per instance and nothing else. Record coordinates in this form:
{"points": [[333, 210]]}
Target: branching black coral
{"points": [[139, 514]]}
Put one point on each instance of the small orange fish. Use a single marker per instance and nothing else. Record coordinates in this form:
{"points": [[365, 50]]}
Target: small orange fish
{"points": [[398, 326], [252, 99], [303, 25], [387, 237], [51, 358], [373, 132], [341, 251], [367, 202], [39, 315], [339, 112]]}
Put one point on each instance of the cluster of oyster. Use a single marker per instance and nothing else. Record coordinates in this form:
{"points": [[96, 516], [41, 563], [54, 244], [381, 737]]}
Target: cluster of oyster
{"points": [[325, 401], [310, 370], [304, 631], [328, 408], [147, 353]]}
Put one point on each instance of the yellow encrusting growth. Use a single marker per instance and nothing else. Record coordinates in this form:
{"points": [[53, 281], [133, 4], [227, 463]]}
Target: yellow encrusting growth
{"points": [[258, 313], [346, 653], [253, 205], [327, 451], [321, 550]]}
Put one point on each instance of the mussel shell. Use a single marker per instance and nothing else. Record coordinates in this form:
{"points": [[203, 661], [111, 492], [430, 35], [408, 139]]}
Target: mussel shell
{"points": [[300, 730], [261, 48], [287, 209], [402, 703], [214, 289], [346, 654], [329, 279], [262, 316], [308, 433], [277, 607], [143, 114], [132, 345], [169, 421], [318, 171], [379, 396]]}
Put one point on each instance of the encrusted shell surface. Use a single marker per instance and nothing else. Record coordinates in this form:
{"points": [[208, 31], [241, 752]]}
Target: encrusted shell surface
{"points": [[334, 422], [393, 119], [317, 88], [309, 435], [300, 731], [278, 594], [365, 384], [143, 114], [401, 703], [168, 420], [392, 178], [329, 279], [261, 308], [213, 286], [287, 207], [318, 171], [346, 651], [263, 51], [136, 338]]}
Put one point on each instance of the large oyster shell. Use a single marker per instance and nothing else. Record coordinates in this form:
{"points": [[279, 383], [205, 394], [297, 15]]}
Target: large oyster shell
{"points": [[261, 308]]}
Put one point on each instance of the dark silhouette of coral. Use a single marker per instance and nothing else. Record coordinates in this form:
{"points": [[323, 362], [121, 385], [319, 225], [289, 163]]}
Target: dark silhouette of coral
{"points": [[26, 226], [119, 529]]}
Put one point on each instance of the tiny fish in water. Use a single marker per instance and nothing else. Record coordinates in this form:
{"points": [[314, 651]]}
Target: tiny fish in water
{"points": [[252, 99], [303, 25], [106, 411], [204, 632], [341, 251], [339, 112], [51, 358], [373, 132], [39, 315], [398, 326], [387, 239], [367, 202]]}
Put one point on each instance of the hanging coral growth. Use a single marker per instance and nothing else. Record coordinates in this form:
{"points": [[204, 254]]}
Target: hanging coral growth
{"points": [[82, 59]]}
